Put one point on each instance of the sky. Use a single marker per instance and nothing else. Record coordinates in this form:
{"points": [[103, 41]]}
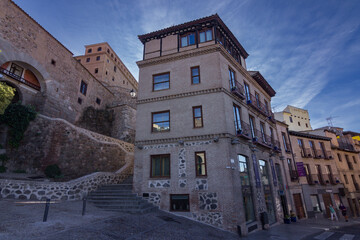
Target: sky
{"points": [[308, 50]]}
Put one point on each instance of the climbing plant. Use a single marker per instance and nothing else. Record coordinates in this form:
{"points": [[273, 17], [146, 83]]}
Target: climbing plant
{"points": [[6, 95], [17, 117]]}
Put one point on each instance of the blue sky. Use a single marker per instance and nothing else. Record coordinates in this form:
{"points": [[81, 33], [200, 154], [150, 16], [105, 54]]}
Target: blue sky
{"points": [[309, 50]]}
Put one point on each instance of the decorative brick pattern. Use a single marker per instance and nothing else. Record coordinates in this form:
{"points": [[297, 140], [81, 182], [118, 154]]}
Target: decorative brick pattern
{"points": [[208, 201], [182, 183], [159, 183], [213, 218], [154, 198]]}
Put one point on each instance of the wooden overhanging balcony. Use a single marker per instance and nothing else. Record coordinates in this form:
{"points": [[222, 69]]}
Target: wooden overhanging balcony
{"points": [[306, 153], [294, 175], [238, 90], [19, 79], [260, 107]]}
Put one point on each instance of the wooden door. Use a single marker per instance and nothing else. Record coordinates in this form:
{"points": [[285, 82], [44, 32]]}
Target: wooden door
{"points": [[299, 206], [327, 203]]}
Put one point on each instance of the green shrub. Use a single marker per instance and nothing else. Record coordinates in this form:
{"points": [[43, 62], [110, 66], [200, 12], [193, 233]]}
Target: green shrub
{"points": [[6, 95], [52, 171], [18, 118], [3, 159], [2, 169], [19, 171]]}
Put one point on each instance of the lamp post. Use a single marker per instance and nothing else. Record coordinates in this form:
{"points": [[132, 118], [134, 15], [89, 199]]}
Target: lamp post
{"points": [[132, 93]]}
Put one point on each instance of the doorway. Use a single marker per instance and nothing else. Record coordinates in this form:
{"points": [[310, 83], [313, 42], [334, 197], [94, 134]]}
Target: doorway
{"points": [[299, 206], [327, 203]]}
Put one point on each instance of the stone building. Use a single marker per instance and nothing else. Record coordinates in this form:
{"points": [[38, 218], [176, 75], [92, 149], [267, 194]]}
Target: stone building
{"points": [[46, 75], [346, 153], [296, 118], [317, 174], [102, 61], [205, 135]]}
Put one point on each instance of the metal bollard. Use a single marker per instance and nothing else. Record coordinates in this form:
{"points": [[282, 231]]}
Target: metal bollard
{"points": [[47, 205], [84, 206]]}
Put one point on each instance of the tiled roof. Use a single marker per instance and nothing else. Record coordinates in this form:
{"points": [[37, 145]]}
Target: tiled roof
{"points": [[262, 82], [183, 26], [307, 135]]}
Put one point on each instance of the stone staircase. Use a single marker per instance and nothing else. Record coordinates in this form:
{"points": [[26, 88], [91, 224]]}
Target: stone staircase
{"points": [[119, 198]]}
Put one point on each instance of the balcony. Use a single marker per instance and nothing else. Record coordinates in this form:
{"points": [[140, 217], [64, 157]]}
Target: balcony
{"points": [[276, 145], [243, 129], [294, 175], [321, 179], [310, 179], [328, 155], [263, 139], [351, 167], [19, 79], [238, 90], [257, 105], [306, 153], [356, 185], [318, 153], [333, 179]]}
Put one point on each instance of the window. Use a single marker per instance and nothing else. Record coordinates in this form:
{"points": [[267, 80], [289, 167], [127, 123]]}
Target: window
{"points": [[108, 51], [83, 87], [264, 172], [99, 49], [53, 62], [315, 203], [107, 60], [16, 70], [96, 70], [188, 40], [262, 130], [354, 159], [79, 101], [88, 60], [98, 58], [301, 145], [179, 202], [299, 124], [272, 135], [285, 142], [346, 179], [252, 126], [322, 147], [257, 97], [89, 50], [200, 162], [206, 36], [306, 125], [339, 157], [246, 189], [247, 92], [161, 121], [266, 106], [195, 75], [237, 118], [112, 55], [197, 117], [290, 119], [160, 166], [113, 79], [312, 146], [161, 81], [114, 68], [106, 72], [289, 164], [79, 60], [232, 79], [98, 101]]}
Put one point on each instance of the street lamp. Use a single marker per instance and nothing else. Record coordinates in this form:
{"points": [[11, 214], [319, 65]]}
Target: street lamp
{"points": [[132, 93]]}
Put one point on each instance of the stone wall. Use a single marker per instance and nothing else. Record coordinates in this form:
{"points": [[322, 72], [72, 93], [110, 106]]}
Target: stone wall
{"points": [[72, 190], [97, 120], [75, 150]]}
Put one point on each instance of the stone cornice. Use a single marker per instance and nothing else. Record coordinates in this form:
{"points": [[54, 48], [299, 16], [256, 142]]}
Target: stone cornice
{"points": [[186, 138]]}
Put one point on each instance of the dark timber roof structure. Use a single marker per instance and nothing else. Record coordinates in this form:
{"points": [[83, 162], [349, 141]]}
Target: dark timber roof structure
{"points": [[262, 82], [213, 20]]}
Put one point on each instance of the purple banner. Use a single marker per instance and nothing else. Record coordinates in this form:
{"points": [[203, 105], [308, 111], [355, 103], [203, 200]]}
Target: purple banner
{"points": [[300, 169], [273, 172], [256, 170]]}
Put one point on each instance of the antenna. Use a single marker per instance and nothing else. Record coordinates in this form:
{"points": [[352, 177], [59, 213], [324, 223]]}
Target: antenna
{"points": [[330, 121]]}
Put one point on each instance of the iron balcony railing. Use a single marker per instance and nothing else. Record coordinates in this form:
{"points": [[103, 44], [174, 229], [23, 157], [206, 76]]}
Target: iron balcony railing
{"points": [[276, 145], [238, 90], [334, 179], [19, 78], [243, 129], [294, 175], [306, 153], [262, 138]]}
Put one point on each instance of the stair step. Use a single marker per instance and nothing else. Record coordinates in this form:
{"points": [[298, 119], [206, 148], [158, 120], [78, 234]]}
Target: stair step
{"points": [[112, 194], [106, 197]]}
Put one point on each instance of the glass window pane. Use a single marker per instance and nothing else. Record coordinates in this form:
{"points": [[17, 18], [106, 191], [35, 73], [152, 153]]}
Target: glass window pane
{"points": [[195, 71], [166, 162], [208, 35], [183, 41], [161, 78], [191, 39], [197, 112], [164, 126], [161, 86], [195, 80], [198, 122], [160, 117], [202, 37]]}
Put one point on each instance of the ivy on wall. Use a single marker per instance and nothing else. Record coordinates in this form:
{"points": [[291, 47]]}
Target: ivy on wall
{"points": [[18, 118]]}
